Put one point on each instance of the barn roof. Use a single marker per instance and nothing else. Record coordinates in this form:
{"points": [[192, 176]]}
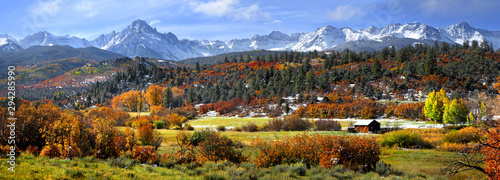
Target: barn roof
{"points": [[364, 122]]}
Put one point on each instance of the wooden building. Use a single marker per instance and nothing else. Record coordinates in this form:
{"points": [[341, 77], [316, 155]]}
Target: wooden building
{"points": [[366, 126]]}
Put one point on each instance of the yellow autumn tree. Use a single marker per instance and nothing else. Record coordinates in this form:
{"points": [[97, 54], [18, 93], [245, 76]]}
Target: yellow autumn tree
{"points": [[130, 101], [154, 95], [455, 112], [434, 105]]}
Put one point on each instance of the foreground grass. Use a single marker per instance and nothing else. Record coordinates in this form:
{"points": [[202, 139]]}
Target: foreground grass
{"points": [[408, 164], [426, 162], [31, 167]]}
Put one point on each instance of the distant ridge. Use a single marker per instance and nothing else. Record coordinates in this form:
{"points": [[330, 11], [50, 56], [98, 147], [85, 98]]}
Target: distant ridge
{"points": [[38, 54]]}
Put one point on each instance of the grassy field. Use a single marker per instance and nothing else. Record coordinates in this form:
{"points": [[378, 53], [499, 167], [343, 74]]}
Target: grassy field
{"points": [[428, 162], [247, 137], [228, 122], [411, 164]]}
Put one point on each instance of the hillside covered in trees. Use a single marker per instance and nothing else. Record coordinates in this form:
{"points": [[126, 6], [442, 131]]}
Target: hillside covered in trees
{"points": [[408, 73]]}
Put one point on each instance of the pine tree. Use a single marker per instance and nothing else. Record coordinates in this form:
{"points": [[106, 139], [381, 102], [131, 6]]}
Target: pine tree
{"points": [[167, 98], [311, 80], [198, 69]]}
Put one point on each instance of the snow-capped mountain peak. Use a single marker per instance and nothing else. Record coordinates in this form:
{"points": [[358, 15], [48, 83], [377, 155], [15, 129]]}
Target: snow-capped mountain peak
{"points": [[45, 38], [8, 43], [140, 39], [6, 39]]}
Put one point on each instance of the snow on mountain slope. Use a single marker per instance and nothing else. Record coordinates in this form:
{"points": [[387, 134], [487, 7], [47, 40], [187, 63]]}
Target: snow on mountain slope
{"points": [[46, 39], [8, 43], [140, 39]]}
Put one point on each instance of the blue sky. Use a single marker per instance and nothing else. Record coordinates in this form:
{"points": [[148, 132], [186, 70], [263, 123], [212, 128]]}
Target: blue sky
{"points": [[228, 19]]}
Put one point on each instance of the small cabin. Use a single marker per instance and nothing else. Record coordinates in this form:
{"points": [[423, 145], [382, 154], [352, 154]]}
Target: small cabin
{"points": [[366, 126]]}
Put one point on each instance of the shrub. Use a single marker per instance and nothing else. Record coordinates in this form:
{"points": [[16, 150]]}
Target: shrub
{"points": [[325, 125], [159, 124], [188, 111], [289, 123], [312, 150], [385, 169], [465, 135], [188, 127], [121, 162], [199, 136], [237, 129], [299, 169], [250, 127], [401, 138], [144, 154], [131, 140], [51, 150], [212, 146], [149, 136], [176, 120], [219, 148], [121, 142], [221, 128]]}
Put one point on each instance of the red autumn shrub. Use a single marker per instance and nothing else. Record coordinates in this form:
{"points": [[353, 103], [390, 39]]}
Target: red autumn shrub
{"points": [[351, 152], [144, 154], [222, 107], [492, 154]]}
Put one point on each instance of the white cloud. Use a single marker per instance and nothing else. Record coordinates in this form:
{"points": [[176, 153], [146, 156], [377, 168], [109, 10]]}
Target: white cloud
{"points": [[229, 8], [276, 21], [345, 13], [86, 7], [153, 22], [217, 8], [49, 8]]}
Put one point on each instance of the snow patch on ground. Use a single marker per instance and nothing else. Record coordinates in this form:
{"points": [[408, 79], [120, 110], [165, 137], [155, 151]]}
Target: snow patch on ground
{"points": [[212, 113]]}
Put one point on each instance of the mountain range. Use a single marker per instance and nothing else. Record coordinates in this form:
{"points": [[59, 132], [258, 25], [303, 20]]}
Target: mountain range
{"points": [[140, 39]]}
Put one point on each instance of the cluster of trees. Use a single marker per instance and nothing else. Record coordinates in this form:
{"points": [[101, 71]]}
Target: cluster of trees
{"points": [[384, 74], [439, 108], [49, 131]]}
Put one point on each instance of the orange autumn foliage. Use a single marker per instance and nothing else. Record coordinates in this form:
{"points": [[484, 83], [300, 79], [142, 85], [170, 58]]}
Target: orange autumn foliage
{"points": [[357, 108], [154, 95], [317, 149], [491, 154], [129, 101], [222, 107], [409, 110]]}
